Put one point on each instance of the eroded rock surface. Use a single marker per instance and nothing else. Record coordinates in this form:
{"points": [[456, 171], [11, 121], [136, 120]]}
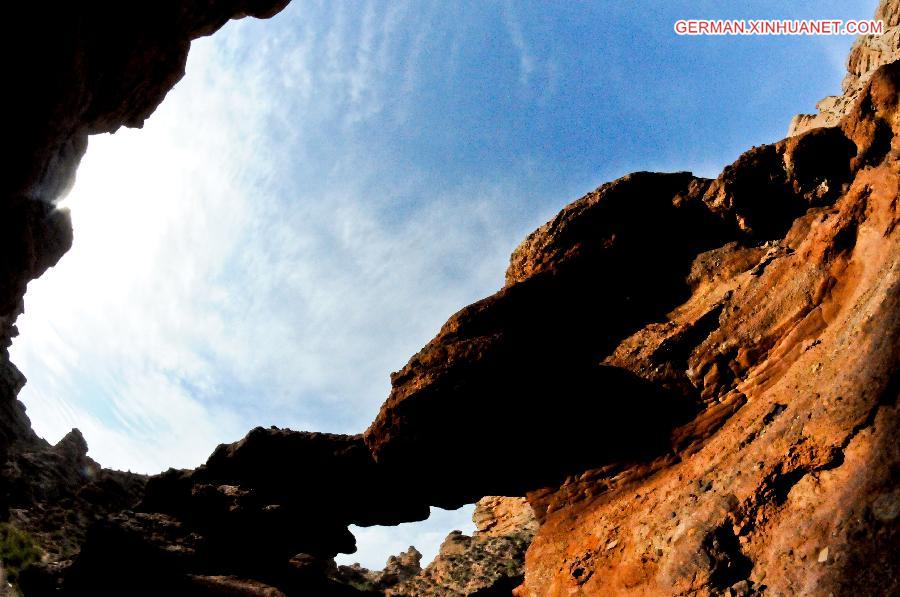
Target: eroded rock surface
{"points": [[801, 327], [490, 562], [868, 53]]}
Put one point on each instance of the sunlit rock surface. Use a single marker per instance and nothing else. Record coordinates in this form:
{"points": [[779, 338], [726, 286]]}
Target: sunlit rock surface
{"points": [[490, 562], [868, 53], [801, 326]]}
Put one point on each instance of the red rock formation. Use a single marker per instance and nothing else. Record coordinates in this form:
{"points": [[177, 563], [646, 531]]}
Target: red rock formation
{"points": [[797, 491], [694, 381]]}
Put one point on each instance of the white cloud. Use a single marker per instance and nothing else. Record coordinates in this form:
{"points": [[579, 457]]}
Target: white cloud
{"points": [[517, 38]]}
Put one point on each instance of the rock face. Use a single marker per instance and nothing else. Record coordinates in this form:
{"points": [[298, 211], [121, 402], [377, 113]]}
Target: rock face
{"points": [[490, 562], [56, 492], [802, 323], [692, 381], [762, 310], [868, 53], [399, 569], [540, 341]]}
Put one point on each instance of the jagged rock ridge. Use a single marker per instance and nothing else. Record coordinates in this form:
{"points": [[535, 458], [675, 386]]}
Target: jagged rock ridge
{"points": [[868, 53], [490, 562]]}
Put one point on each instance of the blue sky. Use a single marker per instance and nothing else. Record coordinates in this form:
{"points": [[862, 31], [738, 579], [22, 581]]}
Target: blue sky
{"points": [[324, 189]]}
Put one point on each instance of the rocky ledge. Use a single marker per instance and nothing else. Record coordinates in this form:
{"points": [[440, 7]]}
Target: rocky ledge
{"points": [[869, 52]]}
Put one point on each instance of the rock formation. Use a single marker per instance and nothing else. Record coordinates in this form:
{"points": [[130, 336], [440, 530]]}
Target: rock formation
{"points": [[56, 492], [868, 53], [801, 324], [693, 381], [490, 562]]}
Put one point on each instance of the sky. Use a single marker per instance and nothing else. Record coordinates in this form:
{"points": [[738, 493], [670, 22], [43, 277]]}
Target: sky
{"points": [[323, 189]]}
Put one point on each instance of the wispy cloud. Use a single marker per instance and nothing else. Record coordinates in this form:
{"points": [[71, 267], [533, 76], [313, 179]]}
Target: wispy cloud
{"points": [[241, 272], [517, 38]]}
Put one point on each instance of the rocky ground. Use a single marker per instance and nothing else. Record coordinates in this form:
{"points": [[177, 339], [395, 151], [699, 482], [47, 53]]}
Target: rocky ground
{"points": [[54, 494], [689, 385], [490, 562]]}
